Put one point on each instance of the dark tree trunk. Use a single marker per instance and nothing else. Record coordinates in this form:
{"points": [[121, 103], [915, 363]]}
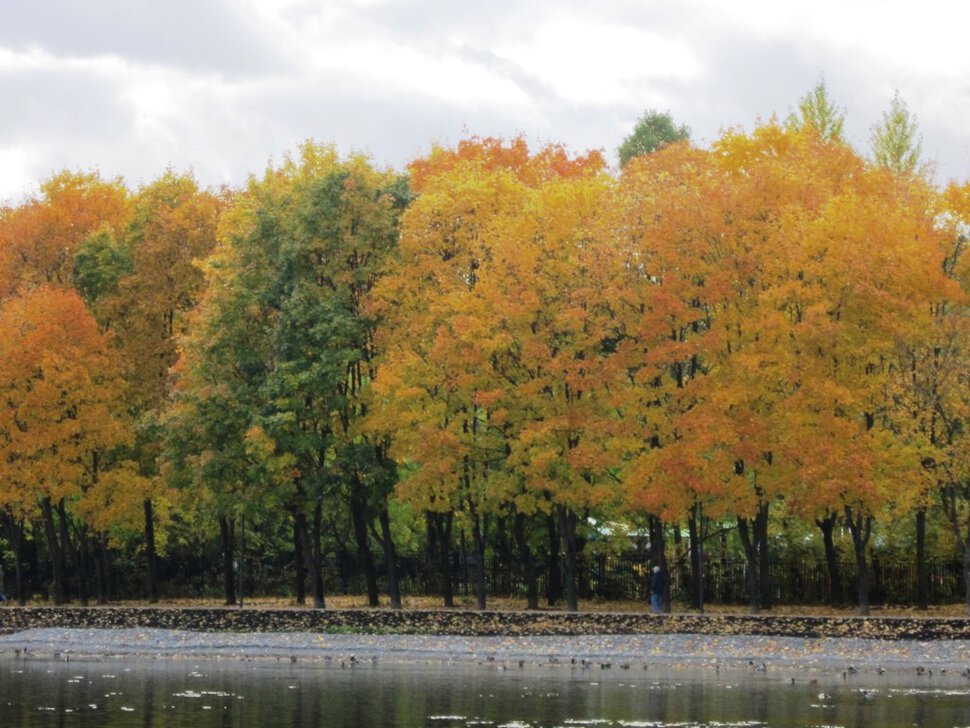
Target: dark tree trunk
{"points": [[227, 535], [102, 568], [316, 557], [528, 563], [658, 555], [82, 566], [966, 578], [827, 526], [764, 565], [922, 573], [479, 534], [502, 558], [554, 581], [365, 558], [750, 556], [151, 555], [15, 535], [441, 525], [299, 562], [390, 558], [67, 551], [567, 532], [696, 575], [860, 526], [58, 563]]}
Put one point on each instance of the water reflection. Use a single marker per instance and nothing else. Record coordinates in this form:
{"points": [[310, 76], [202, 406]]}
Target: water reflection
{"points": [[174, 693]]}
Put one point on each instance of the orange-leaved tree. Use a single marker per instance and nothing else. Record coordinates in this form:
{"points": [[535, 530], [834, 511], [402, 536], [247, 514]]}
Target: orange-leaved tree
{"points": [[63, 422], [38, 239], [493, 330]]}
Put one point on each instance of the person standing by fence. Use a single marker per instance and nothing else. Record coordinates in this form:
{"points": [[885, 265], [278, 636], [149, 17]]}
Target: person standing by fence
{"points": [[658, 582]]}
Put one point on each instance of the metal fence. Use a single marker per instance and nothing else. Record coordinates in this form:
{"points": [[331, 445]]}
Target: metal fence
{"points": [[599, 577], [892, 582]]}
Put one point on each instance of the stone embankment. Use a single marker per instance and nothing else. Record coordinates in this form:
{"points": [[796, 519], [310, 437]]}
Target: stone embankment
{"points": [[475, 623]]}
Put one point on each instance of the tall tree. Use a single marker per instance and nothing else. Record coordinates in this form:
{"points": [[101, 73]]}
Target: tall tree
{"points": [[818, 111], [895, 140], [494, 328], [61, 422], [282, 333], [141, 283], [652, 131]]}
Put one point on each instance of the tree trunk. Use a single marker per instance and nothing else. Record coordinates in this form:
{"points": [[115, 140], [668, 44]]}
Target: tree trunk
{"points": [[567, 532], [299, 562], [966, 578], [750, 555], [227, 535], [922, 573], [67, 550], [554, 581], [501, 565], [102, 568], [15, 535], [316, 557], [82, 566], [764, 566], [948, 495], [696, 576], [58, 565], [479, 534], [860, 527], [658, 555], [365, 558], [827, 526], [528, 562], [440, 524], [390, 558], [151, 555]]}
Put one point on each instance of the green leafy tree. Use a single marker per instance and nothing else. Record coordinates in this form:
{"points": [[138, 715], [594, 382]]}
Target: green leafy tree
{"points": [[817, 110], [652, 131], [282, 341], [896, 141]]}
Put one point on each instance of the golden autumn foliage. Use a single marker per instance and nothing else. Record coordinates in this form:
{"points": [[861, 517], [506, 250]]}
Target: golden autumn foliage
{"points": [[63, 411], [770, 323]]}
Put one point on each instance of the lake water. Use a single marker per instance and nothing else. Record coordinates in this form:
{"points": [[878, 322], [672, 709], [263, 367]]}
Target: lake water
{"points": [[199, 693]]}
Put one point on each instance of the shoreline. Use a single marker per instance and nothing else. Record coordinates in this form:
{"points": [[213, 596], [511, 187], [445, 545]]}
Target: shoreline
{"points": [[947, 660], [471, 623]]}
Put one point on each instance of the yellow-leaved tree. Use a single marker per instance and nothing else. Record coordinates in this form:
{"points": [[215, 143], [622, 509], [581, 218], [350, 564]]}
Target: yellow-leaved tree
{"points": [[493, 332]]}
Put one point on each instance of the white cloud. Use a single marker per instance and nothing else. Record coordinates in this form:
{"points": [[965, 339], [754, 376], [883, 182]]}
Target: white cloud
{"points": [[224, 88], [584, 61]]}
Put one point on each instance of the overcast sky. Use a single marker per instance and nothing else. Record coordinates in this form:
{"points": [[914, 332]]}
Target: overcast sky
{"points": [[222, 87]]}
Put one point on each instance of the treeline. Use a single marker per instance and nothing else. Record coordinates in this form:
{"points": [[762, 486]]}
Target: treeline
{"points": [[758, 346]]}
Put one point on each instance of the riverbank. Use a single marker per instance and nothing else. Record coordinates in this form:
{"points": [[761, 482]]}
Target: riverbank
{"points": [[470, 623]]}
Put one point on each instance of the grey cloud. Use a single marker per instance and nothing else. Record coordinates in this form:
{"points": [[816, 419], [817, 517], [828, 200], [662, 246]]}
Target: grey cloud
{"points": [[64, 104], [208, 36]]}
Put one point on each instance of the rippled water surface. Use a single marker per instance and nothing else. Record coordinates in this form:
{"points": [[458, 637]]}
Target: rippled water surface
{"points": [[180, 693]]}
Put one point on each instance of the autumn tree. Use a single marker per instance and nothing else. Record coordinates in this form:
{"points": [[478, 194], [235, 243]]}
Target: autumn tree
{"points": [[39, 238], [494, 330], [750, 361], [63, 423], [141, 282], [932, 398]]}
